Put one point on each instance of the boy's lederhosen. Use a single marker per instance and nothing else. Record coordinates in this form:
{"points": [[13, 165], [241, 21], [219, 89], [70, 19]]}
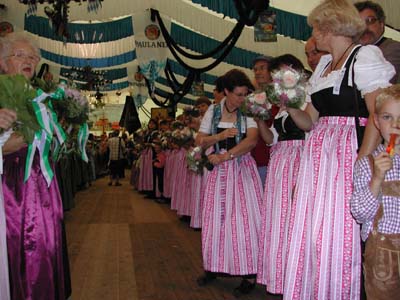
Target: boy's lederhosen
{"points": [[382, 254]]}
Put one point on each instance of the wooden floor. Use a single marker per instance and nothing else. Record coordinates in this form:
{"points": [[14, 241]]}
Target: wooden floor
{"points": [[122, 246]]}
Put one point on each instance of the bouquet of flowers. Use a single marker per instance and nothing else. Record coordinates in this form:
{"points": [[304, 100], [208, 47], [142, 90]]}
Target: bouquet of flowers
{"points": [[177, 125], [165, 138], [288, 88], [17, 94], [256, 105], [74, 108], [197, 160], [182, 137]]}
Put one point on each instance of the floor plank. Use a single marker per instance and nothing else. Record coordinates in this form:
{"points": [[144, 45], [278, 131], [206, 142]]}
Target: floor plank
{"points": [[123, 246]]}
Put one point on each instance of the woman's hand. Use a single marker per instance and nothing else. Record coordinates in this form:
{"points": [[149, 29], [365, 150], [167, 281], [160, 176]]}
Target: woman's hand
{"points": [[13, 144], [228, 133], [7, 118], [216, 159]]}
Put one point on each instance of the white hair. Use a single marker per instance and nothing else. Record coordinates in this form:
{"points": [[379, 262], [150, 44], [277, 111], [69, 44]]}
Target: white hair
{"points": [[8, 42]]}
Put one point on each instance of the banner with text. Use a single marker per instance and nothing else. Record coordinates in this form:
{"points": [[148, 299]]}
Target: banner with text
{"points": [[151, 48]]}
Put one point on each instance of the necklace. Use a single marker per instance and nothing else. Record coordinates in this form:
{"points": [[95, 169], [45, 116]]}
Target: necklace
{"points": [[340, 59], [229, 111]]}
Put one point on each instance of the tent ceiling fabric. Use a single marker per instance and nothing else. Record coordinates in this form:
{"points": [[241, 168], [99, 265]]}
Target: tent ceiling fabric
{"points": [[112, 49], [391, 8]]}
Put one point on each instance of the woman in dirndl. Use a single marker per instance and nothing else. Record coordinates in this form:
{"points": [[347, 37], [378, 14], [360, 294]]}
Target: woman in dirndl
{"points": [[33, 209], [233, 192], [145, 184], [324, 256], [287, 142]]}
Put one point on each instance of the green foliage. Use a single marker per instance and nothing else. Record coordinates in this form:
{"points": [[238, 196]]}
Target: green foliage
{"points": [[17, 94], [45, 86]]}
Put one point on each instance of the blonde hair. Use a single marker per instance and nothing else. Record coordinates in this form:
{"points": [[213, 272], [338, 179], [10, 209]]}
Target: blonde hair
{"points": [[389, 93], [8, 42], [339, 17]]}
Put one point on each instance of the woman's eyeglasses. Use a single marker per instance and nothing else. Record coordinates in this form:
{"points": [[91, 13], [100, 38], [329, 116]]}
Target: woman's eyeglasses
{"points": [[22, 55]]}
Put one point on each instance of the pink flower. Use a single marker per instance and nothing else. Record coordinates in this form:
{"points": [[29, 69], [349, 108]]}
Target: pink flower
{"points": [[260, 98], [197, 156], [284, 98]]}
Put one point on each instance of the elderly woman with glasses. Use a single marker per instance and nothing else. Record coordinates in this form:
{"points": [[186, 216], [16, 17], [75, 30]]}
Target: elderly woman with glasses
{"points": [[33, 210], [233, 193]]}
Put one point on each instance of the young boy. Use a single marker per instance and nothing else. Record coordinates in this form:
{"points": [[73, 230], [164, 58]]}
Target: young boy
{"points": [[376, 201]]}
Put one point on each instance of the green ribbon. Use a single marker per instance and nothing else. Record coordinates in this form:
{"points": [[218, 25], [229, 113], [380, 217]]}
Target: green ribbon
{"points": [[58, 94], [44, 149], [30, 156], [47, 120], [83, 135], [56, 150], [61, 136]]}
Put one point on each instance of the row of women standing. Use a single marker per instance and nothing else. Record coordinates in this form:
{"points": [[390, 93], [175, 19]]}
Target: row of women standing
{"points": [[313, 249]]}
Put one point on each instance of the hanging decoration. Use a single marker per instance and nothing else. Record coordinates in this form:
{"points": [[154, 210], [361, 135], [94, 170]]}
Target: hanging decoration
{"points": [[58, 16], [248, 12], [58, 12], [93, 6], [93, 79], [130, 117], [265, 27], [179, 90], [32, 9], [198, 87], [139, 89], [151, 48]]}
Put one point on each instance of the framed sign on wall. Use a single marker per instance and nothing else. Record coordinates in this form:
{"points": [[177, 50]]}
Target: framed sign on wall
{"points": [[159, 113]]}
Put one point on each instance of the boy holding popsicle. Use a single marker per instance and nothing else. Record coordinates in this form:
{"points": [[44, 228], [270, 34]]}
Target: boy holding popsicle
{"points": [[376, 201]]}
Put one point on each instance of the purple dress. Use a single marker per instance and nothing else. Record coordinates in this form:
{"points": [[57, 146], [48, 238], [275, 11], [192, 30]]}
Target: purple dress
{"points": [[34, 216]]}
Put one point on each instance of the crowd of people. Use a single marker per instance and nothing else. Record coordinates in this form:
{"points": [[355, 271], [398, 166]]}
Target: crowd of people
{"points": [[291, 221], [298, 203]]}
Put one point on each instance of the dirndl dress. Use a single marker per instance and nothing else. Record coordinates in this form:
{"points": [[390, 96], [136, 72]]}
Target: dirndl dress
{"points": [[34, 216]]}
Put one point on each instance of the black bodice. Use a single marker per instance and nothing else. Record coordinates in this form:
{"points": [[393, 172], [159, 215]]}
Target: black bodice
{"points": [[328, 104], [287, 129], [229, 143]]}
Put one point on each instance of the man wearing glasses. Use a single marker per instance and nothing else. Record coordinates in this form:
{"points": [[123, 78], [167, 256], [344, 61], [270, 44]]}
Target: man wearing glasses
{"points": [[374, 17]]}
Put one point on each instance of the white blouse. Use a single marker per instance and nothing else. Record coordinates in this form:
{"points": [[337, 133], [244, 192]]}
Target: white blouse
{"points": [[206, 123], [371, 71]]}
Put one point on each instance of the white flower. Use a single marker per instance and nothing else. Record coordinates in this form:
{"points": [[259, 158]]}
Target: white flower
{"points": [[291, 93], [289, 79], [260, 98]]}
